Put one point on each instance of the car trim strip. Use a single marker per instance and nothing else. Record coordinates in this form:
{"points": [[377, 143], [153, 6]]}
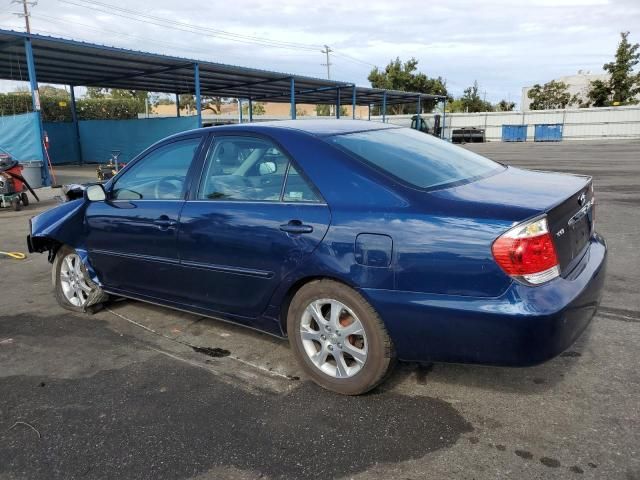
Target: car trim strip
{"points": [[201, 266]]}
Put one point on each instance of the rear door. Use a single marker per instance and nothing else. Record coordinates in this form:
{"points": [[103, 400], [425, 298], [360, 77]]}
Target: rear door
{"points": [[254, 219], [132, 236]]}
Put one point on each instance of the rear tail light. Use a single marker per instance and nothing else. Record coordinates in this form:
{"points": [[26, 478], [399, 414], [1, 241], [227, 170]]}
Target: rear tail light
{"points": [[526, 252]]}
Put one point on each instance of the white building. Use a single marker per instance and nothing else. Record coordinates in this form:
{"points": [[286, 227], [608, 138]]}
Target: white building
{"points": [[578, 84]]}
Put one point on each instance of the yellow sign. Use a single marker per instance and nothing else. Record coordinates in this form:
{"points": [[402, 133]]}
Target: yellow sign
{"points": [[62, 104]]}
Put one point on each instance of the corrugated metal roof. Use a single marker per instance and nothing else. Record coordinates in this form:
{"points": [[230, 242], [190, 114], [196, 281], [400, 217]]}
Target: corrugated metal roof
{"points": [[70, 62]]}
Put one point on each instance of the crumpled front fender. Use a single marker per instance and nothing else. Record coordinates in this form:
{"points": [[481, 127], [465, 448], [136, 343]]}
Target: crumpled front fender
{"points": [[62, 224]]}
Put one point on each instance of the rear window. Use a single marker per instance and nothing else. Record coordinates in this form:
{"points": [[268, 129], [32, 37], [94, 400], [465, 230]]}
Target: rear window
{"points": [[415, 157]]}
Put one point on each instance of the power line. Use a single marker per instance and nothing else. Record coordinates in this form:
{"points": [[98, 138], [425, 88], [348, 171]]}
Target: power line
{"points": [[95, 29], [184, 46], [185, 27]]}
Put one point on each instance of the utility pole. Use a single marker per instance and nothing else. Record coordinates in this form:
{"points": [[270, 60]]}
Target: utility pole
{"points": [[25, 8], [327, 51]]}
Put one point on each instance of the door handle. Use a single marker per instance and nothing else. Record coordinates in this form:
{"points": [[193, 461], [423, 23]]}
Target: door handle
{"points": [[164, 223], [296, 226]]}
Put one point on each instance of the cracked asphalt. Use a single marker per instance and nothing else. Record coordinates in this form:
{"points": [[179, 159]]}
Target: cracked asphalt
{"points": [[138, 391]]}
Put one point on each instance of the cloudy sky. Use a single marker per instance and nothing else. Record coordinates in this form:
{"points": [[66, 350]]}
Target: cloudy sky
{"points": [[505, 45]]}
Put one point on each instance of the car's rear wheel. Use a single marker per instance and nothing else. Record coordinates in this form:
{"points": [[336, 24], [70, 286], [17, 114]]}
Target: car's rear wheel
{"points": [[339, 338], [74, 289]]}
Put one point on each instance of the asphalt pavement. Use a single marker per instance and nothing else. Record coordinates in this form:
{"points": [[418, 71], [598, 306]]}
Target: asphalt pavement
{"points": [[138, 391]]}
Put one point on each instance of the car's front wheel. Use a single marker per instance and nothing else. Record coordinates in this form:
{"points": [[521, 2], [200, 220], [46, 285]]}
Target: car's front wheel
{"points": [[73, 288], [339, 338]]}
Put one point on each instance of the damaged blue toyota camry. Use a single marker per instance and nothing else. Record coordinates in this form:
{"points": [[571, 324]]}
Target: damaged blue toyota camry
{"points": [[361, 242]]}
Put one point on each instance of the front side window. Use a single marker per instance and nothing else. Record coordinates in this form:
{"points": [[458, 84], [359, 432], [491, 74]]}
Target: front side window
{"points": [[243, 168], [161, 175], [415, 157]]}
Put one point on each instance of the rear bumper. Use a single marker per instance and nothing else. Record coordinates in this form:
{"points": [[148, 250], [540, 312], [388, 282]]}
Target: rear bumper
{"points": [[524, 326]]}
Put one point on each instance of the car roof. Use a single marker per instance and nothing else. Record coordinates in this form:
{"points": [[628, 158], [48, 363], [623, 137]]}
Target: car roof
{"points": [[319, 128]]}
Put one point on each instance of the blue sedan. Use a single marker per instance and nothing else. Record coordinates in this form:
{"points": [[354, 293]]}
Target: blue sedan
{"points": [[361, 242]]}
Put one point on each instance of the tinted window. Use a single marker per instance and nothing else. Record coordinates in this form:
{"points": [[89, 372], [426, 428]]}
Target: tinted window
{"points": [[243, 168], [415, 157], [297, 188], [161, 175]]}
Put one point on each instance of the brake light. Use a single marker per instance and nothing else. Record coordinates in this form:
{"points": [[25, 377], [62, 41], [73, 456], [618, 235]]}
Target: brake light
{"points": [[527, 252]]}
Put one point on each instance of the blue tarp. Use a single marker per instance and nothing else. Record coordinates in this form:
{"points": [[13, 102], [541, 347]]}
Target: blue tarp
{"points": [[20, 136], [99, 137], [63, 142]]}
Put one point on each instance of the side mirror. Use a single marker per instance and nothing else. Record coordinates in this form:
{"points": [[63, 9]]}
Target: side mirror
{"points": [[267, 168], [95, 193]]}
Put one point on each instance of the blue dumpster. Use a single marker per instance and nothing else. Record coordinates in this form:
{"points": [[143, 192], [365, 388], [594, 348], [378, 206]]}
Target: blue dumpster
{"points": [[548, 132], [514, 133]]}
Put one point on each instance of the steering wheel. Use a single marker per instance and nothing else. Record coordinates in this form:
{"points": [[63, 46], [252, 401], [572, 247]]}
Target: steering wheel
{"points": [[169, 188]]}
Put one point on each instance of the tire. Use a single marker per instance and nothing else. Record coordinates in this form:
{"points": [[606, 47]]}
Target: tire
{"points": [[15, 204], [24, 198], [358, 330], [77, 292]]}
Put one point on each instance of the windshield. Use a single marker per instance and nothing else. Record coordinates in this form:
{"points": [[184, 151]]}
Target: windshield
{"points": [[415, 157]]}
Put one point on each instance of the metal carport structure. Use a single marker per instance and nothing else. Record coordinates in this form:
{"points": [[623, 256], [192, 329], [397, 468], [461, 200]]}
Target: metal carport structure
{"points": [[74, 63]]}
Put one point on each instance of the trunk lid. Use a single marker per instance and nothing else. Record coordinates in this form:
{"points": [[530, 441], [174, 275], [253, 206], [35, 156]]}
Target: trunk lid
{"points": [[517, 194]]}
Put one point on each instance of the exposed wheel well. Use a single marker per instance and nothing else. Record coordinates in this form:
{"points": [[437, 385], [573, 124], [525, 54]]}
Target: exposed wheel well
{"points": [[43, 244], [293, 289]]}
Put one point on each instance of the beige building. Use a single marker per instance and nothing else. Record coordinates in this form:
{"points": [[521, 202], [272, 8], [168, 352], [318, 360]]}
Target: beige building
{"points": [[578, 84]]}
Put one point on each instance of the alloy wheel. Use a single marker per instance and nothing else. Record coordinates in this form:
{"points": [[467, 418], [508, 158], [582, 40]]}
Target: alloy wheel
{"points": [[334, 338], [73, 281]]}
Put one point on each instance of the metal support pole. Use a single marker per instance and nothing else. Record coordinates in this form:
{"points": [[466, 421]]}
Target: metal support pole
{"points": [[369, 112], [384, 106], [419, 110], [74, 119], [196, 79], [293, 99], [250, 109], [353, 103], [35, 99], [178, 105], [337, 102], [444, 118]]}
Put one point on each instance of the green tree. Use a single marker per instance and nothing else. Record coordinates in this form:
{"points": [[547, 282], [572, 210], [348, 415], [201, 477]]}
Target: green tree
{"points": [[455, 106], [471, 101], [624, 84], [97, 92], [257, 107], [599, 94], [213, 104], [137, 97], [403, 76], [550, 96], [505, 106], [49, 91], [325, 110]]}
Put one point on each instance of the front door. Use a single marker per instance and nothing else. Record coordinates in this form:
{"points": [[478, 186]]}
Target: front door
{"points": [[254, 219], [132, 235]]}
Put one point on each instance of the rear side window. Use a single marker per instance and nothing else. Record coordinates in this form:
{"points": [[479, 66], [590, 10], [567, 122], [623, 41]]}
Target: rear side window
{"points": [[247, 168], [415, 157]]}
